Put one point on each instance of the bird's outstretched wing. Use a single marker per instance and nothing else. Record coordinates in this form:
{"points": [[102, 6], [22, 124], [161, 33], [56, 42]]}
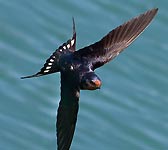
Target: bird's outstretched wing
{"points": [[52, 63], [67, 111], [66, 122], [115, 41]]}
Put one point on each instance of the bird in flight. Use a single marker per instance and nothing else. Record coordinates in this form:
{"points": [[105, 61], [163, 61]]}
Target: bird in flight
{"points": [[77, 69]]}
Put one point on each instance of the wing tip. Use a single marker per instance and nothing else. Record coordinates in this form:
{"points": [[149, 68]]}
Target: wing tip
{"points": [[153, 11], [73, 39], [73, 29], [31, 76], [73, 26]]}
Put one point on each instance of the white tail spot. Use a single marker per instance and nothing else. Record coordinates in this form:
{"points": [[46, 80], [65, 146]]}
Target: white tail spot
{"points": [[51, 60], [46, 71], [49, 64], [68, 46], [48, 67], [60, 50], [53, 56], [64, 47], [72, 42]]}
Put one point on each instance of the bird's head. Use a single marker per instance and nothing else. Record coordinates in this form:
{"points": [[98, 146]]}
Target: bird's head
{"points": [[90, 81]]}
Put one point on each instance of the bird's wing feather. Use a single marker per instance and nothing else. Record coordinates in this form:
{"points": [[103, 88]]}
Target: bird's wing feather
{"points": [[115, 41], [67, 111], [52, 63], [66, 122]]}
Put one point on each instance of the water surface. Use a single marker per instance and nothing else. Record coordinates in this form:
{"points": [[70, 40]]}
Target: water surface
{"points": [[129, 112]]}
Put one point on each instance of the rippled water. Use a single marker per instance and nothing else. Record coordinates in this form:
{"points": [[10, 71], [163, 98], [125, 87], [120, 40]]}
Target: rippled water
{"points": [[129, 112]]}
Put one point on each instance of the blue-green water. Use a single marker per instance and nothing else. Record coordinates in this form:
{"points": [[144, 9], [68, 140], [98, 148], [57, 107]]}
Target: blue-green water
{"points": [[129, 112]]}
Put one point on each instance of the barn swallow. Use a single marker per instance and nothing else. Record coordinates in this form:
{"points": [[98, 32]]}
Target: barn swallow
{"points": [[77, 69]]}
